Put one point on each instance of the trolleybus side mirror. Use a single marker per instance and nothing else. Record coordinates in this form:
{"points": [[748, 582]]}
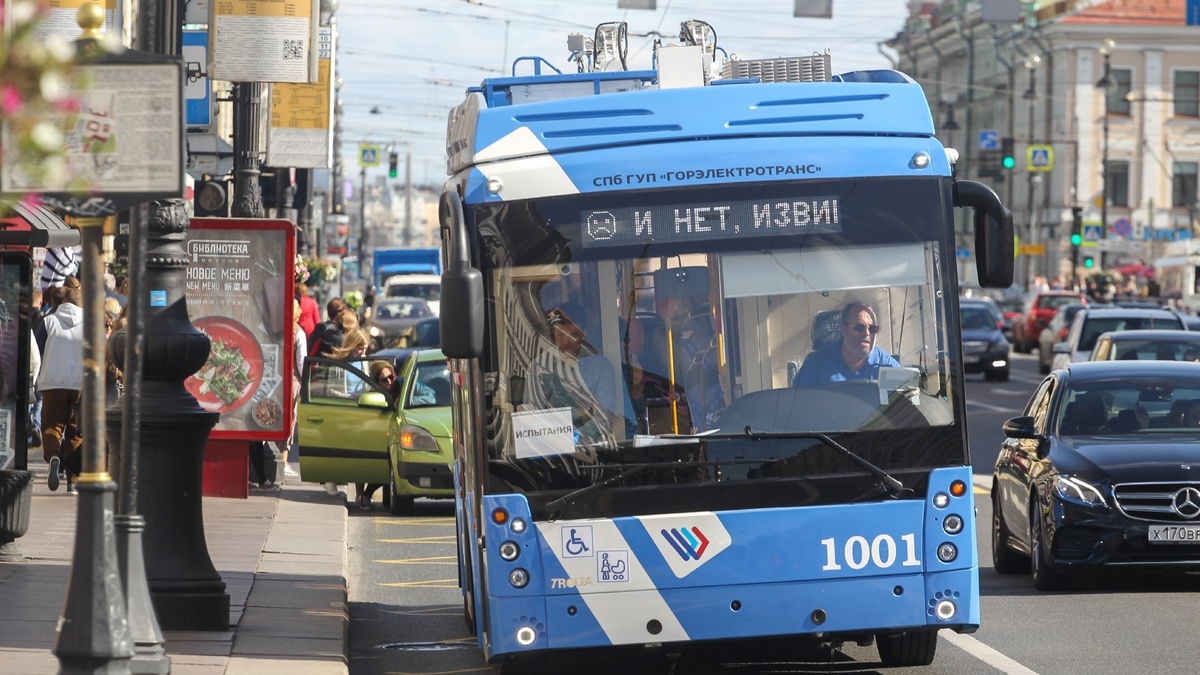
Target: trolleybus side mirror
{"points": [[993, 233], [461, 315]]}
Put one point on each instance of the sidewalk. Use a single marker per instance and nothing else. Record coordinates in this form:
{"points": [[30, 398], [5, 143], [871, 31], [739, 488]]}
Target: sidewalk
{"points": [[281, 554]]}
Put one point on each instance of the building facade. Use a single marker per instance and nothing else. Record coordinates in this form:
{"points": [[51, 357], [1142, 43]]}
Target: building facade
{"points": [[1100, 99]]}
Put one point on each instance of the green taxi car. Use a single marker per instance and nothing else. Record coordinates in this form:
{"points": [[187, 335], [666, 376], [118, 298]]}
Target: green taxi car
{"points": [[352, 430]]}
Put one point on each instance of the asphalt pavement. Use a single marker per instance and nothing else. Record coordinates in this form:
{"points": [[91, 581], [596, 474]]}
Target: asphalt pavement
{"points": [[281, 554]]}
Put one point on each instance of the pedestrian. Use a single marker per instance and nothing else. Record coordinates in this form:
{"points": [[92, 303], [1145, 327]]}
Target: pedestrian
{"points": [[327, 335], [56, 294], [60, 381], [300, 343], [309, 315]]}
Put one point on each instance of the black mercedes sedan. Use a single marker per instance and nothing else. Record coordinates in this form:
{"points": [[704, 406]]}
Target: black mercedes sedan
{"points": [[1102, 468]]}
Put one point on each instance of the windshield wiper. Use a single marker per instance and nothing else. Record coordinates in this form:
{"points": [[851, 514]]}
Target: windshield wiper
{"points": [[893, 487], [558, 507]]}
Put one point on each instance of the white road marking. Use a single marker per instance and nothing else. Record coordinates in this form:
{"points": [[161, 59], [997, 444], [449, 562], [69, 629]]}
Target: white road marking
{"points": [[985, 653]]}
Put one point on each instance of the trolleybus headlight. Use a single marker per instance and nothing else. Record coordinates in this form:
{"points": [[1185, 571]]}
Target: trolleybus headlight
{"points": [[947, 552], [519, 578], [518, 525], [945, 610], [526, 636], [941, 500], [919, 161], [495, 185], [509, 551], [953, 524]]}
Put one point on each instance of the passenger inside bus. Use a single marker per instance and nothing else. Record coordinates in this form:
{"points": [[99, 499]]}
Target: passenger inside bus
{"points": [[682, 301], [854, 357]]}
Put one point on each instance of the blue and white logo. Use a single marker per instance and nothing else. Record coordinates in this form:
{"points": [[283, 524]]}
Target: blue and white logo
{"points": [[989, 139]]}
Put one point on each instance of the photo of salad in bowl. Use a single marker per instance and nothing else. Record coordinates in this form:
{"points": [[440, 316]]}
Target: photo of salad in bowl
{"points": [[234, 367]]}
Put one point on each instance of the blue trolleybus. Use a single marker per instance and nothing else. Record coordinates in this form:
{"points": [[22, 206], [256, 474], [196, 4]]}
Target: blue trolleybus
{"points": [[708, 373]]}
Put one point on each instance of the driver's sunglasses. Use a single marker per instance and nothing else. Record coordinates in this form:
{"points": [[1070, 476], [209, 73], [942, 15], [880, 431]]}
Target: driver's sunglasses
{"points": [[861, 328], [387, 378]]}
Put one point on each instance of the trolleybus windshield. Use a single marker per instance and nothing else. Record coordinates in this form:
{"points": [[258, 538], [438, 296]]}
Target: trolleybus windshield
{"points": [[658, 326]]}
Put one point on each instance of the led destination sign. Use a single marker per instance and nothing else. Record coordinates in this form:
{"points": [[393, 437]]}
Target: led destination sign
{"points": [[726, 220]]}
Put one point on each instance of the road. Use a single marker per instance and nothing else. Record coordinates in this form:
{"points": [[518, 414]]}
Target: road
{"points": [[406, 609]]}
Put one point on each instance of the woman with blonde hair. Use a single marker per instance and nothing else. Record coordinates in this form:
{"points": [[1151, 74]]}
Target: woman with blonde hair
{"points": [[354, 346]]}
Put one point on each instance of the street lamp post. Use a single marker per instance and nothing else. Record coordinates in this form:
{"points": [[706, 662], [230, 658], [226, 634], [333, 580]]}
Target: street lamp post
{"points": [[1105, 84]]}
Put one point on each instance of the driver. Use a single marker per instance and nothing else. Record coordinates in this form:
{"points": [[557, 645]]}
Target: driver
{"points": [[854, 357]]}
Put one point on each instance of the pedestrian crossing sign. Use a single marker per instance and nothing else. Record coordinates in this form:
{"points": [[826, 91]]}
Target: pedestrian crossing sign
{"points": [[1039, 157], [368, 155]]}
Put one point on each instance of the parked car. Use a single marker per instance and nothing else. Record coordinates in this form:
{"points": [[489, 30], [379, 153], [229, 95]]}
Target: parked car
{"points": [[393, 317], [1147, 345], [1097, 471], [985, 350], [1039, 309], [1054, 333], [1091, 322], [352, 430]]}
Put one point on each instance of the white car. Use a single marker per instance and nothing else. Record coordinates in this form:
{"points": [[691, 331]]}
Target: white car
{"points": [[1091, 322]]}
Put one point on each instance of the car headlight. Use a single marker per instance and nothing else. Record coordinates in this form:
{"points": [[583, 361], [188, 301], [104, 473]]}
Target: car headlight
{"points": [[1078, 492], [416, 438], [374, 331]]}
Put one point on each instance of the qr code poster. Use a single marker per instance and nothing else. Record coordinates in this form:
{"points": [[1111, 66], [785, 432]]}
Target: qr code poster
{"points": [[246, 46]]}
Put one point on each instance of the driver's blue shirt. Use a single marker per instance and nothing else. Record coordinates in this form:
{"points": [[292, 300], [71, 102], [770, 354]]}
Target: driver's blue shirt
{"points": [[827, 365]]}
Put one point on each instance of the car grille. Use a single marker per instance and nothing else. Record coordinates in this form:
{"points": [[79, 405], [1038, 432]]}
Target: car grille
{"points": [[974, 347], [1151, 501]]}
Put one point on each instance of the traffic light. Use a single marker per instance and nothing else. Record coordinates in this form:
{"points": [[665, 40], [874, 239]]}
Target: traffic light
{"points": [[393, 161], [1088, 261], [1007, 160], [1076, 234]]}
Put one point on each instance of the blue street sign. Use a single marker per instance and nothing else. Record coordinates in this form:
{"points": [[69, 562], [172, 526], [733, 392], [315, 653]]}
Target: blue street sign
{"points": [[1193, 12], [962, 253], [1091, 233], [1122, 228], [197, 91], [989, 139]]}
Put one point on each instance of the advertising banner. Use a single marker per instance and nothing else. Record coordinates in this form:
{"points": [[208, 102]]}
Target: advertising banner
{"points": [[240, 293]]}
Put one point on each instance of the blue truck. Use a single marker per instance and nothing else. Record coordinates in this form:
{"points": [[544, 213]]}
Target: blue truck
{"points": [[409, 272], [389, 262]]}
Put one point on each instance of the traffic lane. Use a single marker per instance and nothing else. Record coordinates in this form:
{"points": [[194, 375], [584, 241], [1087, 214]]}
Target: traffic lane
{"points": [[990, 404], [406, 617], [405, 605], [1116, 621]]}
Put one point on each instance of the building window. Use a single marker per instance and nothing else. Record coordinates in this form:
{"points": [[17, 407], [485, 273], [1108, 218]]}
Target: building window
{"points": [[1183, 186], [1116, 179], [1117, 103], [1187, 93]]}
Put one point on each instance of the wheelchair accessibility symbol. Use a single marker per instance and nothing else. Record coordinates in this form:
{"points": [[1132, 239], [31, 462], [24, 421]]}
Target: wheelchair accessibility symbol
{"points": [[577, 542]]}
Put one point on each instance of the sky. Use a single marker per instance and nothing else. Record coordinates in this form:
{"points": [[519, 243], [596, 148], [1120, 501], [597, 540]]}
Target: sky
{"points": [[406, 63]]}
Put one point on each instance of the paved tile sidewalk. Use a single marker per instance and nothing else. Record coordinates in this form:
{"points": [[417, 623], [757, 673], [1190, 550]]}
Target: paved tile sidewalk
{"points": [[281, 554]]}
